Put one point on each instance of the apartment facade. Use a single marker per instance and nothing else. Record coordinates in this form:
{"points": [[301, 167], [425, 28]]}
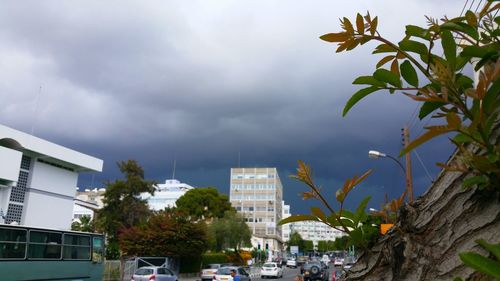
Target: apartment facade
{"points": [[257, 194], [38, 179], [315, 231], [286, 229]]}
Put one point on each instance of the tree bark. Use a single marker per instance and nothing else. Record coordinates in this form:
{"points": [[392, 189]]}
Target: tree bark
{"points": [[431, 232]]}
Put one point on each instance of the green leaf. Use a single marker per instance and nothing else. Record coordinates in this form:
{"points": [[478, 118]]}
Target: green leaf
{"points": [[464, 82], [461, 138], [417, 31], [388, 77], [492, 97], [384, 48], [474, 51], [360, 211], [296, 218], [357, 97], [368, 80], [335, 37], [450, 48], [481, 264], [476, 180], [360, 26], [432, 132], [384, 61], [347, 214], [492, 248], [318, 213], [413, 46], [409, 73], [428, 107], [471, 18]]}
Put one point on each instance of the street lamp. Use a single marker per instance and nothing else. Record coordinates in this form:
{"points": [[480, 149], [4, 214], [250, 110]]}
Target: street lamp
{"points": [[377, 154]]}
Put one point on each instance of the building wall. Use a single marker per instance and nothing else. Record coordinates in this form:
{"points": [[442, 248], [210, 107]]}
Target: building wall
{"points": [[44, 191], [166, 194], [315, 231], [257, 194], [286, 228]]}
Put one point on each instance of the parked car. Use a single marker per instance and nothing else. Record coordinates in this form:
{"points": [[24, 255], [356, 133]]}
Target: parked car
{"points": [[224, 273], [291, 263], [338, 261], [314, 270], [271, 269], [208, 271], [348, 262], [156, 273]]}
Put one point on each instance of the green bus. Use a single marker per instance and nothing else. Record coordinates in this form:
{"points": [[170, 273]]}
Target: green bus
{"points": [[37, 254]]}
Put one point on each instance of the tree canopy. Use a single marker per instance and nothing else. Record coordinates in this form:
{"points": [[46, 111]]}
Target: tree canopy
{"points": [[85, 224], [203, 203], [230, 231], [123, 207], [167, 233]]}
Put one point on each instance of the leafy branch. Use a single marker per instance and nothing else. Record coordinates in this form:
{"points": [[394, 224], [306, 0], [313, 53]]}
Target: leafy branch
{"points": [[354, 224], [470, 110]]}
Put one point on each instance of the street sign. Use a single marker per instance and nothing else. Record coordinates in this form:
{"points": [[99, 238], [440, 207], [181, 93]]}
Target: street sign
{"points": [[294, 250]]}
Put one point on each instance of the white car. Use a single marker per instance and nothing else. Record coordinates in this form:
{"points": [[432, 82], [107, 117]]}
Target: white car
{"points": [[338, 261], [271, 269], [291, 263]]}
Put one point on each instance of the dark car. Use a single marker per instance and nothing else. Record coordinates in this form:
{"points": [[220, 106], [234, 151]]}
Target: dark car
{"points": [[314, 270]]}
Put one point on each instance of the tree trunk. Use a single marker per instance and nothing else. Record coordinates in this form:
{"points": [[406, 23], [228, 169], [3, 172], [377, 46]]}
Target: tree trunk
{"points": [[431, 232]]}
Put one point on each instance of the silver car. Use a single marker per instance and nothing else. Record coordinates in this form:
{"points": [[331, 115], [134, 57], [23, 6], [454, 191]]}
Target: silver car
{"points": [[155, 273]]}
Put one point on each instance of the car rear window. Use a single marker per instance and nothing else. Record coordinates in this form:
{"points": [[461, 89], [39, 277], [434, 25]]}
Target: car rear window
{"points": [[224, 271], [269, 265], [211, 266]]}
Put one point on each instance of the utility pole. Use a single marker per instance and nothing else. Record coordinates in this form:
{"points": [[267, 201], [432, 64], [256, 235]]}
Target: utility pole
{"points": [[409, 180]]}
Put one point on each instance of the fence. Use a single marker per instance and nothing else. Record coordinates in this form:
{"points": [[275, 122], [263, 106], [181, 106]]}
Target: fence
{"points": [[113, 268]]}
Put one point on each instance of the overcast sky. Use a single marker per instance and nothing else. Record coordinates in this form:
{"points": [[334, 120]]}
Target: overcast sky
{"points": [[200, 82]]}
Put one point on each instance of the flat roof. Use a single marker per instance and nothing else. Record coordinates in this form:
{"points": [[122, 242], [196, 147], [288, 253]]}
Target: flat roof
{"points": [[27, 142]]}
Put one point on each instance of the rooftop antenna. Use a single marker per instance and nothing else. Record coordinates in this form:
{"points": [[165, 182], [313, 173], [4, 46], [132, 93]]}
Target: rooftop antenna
{"points": [[36, 111], [173, 172]]}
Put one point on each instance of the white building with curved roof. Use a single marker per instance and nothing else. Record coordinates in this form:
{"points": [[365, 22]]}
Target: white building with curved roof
{"points": [[38, 179]]}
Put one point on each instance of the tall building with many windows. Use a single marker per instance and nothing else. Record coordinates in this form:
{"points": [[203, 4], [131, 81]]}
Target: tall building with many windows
{"points": [[257, 194]]}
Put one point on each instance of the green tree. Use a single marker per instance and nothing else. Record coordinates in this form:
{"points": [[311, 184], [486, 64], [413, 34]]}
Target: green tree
{"points": [[123, 207], [204, 203], [85, 224], [308, 246], [230, 231], [167, 233], [296, 240], [340, 243]]}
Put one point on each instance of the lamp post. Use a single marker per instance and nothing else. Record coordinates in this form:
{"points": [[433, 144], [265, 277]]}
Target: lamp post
{"points": [[377, 154]]}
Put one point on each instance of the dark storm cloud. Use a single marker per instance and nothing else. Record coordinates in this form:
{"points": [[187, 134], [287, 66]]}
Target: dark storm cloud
{"points": [[201, 82]]}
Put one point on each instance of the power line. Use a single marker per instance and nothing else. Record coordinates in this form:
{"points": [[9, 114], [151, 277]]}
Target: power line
{"points": [[423, 166]]}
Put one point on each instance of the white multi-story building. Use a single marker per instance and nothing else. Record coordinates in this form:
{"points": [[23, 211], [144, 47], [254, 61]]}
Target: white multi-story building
{"points": [[257, 194], [166, 194], [286, 228], [315, 231], [87, 202], [38, 179]]}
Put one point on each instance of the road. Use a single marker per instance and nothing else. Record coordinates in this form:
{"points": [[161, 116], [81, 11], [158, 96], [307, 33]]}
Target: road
{"points": [[290, 273]]}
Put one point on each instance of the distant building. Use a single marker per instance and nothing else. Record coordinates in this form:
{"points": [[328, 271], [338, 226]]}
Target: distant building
{"points": [[38, 179], [166, 194], [257, 194], [315, 231], [87, 202], [286, 228]]}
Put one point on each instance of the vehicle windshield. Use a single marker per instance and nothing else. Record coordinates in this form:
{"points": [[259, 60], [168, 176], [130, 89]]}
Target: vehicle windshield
{"points": [[312, 263], [224, 271], [269, 265]]}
